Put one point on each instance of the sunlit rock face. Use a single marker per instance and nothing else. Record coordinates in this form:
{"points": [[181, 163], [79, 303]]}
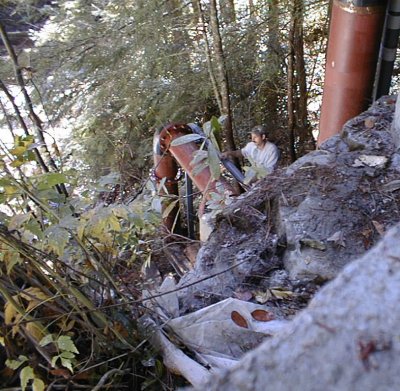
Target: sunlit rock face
{"points": [[309, 219]]}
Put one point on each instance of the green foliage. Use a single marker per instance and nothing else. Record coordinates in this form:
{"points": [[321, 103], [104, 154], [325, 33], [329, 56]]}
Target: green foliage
{"points": [[66, 253], [26, 374], [66, 350]]}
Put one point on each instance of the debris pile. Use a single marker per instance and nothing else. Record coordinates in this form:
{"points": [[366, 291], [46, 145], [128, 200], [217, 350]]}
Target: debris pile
{"points": [[276, 245]]}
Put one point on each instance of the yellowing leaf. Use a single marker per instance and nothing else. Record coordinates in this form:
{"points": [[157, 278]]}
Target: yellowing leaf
{"points": [[35, 330], [18, 151], [11, 259], [17, 163], [15, 364], [11, 190], [121, 211], [26, 375], [172, 205], [38, 385], [281, 294], [11, 314], [113, 223], [66, 326], [34, 296], [262, 297]]}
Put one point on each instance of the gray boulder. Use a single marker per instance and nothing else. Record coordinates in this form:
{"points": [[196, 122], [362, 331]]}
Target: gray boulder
{"points": [[310, 219], [347, 338]]}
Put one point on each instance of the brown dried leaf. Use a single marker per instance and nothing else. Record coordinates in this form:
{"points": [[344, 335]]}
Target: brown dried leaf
{"points": [[120, 328], [262, 297], [281, 294], [191, 252], [60, 372], [239, 319], [370, 122], [379, 227], [243, 295], [262, 315]]}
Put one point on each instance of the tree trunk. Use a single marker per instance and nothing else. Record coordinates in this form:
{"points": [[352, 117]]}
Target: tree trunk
{"points": [[29, 105], [252, 9], [274, 62], [291, 93], [208, 53], [306, 139], [227, 8], [222, 77]]}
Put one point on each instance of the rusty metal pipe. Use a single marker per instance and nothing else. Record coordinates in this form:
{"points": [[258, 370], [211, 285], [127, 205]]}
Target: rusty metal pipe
{"points": [[387, 55], [166, 157], [354, 37], [184, 155], [165, 166]]}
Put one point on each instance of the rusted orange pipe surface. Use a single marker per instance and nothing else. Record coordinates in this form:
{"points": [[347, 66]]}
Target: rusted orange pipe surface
{"points": [[184, 155], [166, 167], [353, 47], [166, 160]]}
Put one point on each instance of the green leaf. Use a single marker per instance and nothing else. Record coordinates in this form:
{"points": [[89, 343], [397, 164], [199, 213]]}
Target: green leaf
{"points": [[54, 361], [46, 340], [65, 343], [34, 227], [186, 139], [69, 222], [48, 180], [57, 239], [5, 182], [111, 179], [67, 355], [15, 364], [13, 259], [52, 195], [26, 375], [214, 162], [67, 364], [215, 125], [18, 220]]}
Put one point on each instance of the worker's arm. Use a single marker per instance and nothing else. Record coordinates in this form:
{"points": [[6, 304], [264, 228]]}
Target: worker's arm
{"points": [[232, 154]]}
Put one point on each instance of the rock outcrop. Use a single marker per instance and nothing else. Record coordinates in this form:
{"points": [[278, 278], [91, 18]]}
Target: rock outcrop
{"points": [[346, 339], [309, 220]]}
